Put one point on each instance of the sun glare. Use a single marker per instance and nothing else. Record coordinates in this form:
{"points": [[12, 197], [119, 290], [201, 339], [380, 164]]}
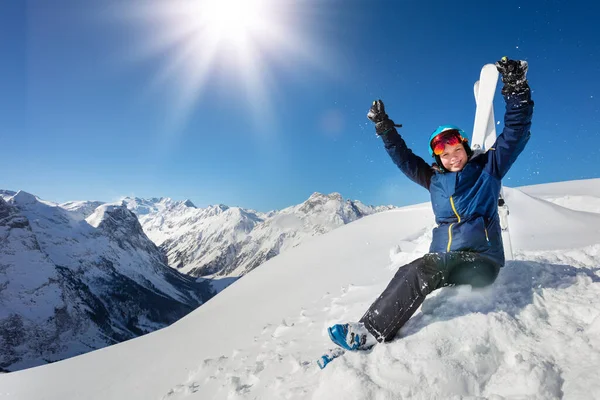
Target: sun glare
{"points": [[197, 39], [231, 19]]}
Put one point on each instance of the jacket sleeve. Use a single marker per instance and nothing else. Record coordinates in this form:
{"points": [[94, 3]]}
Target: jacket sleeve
{"points": [[413, 166], [514, 137]]}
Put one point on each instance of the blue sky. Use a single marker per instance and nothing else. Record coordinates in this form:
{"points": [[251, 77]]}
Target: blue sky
{"points": [[86, 114]]}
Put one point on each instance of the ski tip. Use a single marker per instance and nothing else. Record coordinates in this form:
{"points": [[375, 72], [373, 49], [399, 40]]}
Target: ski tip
{"points": [[489, 67], [329, 356], [322, 362], [325, 360]]}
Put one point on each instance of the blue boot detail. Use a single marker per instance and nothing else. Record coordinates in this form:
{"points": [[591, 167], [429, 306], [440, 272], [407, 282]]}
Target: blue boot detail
{"points": [[338, 334], [330, 356]]}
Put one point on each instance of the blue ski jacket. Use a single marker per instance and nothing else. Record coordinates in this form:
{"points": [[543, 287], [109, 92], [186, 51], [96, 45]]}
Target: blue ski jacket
{"points": [[465, 203]]}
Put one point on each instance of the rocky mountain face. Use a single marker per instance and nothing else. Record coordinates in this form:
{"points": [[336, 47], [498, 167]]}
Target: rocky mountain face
{"points": [[5, 194], [230, 241], [80, 276]]}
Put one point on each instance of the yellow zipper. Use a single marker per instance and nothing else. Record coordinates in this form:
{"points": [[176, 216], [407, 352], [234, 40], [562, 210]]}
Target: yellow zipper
{"points": [[449, 237], [486, 234], [450, 227]]}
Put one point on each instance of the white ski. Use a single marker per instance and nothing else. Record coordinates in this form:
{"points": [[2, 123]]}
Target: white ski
{"points": [[489, 134], [484, 136], [484, 97]]}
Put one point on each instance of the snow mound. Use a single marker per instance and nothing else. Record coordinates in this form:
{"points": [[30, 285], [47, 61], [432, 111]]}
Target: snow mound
{"points": [[582, 195], [537, 224], [583, 187]]}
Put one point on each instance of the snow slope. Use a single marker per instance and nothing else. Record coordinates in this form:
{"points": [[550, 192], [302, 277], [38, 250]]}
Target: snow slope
{"points": [[534, 334], [582, 195]]}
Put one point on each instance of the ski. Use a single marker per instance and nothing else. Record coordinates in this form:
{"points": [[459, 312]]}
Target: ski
{"points": [[484, 137], [489, 134], [328, 357], [484, 97]]}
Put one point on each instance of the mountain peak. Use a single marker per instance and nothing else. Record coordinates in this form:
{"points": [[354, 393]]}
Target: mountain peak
{"points": [[111, 210], [317, 196], [217, 208], [319, 199], [23, 198], [188, 203]]}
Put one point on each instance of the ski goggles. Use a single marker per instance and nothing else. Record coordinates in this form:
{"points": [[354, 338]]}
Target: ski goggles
{"points": [[450, 137]]}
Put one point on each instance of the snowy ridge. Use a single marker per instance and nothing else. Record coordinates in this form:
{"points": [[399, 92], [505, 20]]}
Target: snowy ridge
{"points": [[545, 218], [81, 209], [534, 334], [573, 194], [231, 241], [68, 286], [5, 194], [156, 204]]}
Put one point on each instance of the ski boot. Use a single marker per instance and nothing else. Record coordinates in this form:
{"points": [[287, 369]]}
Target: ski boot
{"points": [[353, 336]]}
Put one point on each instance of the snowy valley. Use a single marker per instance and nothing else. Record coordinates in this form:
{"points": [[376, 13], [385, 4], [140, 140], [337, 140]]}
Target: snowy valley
{"points": [[82, 275]]}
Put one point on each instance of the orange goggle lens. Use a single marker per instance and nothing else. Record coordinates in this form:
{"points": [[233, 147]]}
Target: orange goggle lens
{"points": [[452, 138]]}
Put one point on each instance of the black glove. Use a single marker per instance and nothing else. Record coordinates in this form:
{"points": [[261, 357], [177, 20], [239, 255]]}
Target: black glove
{"points": [[513, 75], [377, 114]]}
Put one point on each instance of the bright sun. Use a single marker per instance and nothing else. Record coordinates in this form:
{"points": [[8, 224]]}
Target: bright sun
{"points": [[195, 39], [232, 20]]}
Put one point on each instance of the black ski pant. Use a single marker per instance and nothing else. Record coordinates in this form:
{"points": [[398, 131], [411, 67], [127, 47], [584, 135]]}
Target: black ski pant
{"points": [[413, 282]]}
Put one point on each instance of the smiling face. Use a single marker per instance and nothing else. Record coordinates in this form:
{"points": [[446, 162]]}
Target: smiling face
{"points": [[454, 158]]}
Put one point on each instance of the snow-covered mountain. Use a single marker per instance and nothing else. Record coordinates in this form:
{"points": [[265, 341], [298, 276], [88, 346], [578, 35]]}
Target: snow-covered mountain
{"points": [[82, 208], [6, 194], [80, 276], [534, 334], [103, 281], [154, 205], [231, 241]]}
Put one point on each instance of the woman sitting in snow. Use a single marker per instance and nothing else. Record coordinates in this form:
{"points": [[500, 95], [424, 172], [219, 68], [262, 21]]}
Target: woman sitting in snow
{"points": [[465, 187]]}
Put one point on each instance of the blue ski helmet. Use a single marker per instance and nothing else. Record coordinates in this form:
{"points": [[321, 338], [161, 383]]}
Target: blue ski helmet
{"points": [[443, 128]]}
